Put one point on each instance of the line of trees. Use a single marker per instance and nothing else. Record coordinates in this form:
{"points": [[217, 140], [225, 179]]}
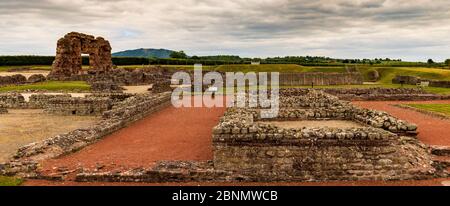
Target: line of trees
{"points": [[183, 59]]}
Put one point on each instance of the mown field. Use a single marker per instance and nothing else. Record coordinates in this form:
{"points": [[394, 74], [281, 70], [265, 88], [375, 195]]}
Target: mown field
{"points": [[10, 181], [70, 86], [387, 73], [276, 68], [443, 109]]}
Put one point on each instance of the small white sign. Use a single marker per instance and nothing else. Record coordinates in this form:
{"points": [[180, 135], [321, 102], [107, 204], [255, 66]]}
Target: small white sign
{"points": [[213, 89]]}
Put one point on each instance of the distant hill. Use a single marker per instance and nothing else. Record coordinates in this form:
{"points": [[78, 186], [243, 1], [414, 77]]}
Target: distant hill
{"points": [[157, 53]]}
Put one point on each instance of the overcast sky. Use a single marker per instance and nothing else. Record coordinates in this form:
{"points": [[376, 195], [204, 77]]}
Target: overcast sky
{"points": [[410, 30]]}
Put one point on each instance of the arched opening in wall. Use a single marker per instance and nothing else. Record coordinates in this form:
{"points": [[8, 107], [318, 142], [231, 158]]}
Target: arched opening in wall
{"points": [[85, 61]]}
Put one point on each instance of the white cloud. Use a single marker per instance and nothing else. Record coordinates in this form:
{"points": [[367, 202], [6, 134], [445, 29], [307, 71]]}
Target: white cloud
{"points": [[411, 30]]}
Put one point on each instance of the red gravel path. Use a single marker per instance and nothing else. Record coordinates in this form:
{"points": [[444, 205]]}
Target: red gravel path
{"points": [[432, 130], [170, 134]]}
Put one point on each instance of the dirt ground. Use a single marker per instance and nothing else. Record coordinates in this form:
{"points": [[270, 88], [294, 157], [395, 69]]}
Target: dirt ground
{"points": [[185, 134], [137, 89], [324, 123], [24, 126]]}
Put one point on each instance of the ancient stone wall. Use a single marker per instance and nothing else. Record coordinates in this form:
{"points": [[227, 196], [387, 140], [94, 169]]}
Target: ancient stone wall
{"points": [[105, 87], [161, 86], [72, 46], [78, 106], [13, 80], [3, 109], [35, 78], [122, 114], [412, 80], [123, 77], [12, 100], [263, 152], [115, 97], [400, 79], [320, 79], [40, 101], [372, 94]]}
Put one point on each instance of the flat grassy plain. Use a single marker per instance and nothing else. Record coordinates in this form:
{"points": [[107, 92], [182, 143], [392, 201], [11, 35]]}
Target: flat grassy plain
{"points": [[10, 181], [35, 67], [276, 68], [74, 86], [387, 73], [443, 109]]}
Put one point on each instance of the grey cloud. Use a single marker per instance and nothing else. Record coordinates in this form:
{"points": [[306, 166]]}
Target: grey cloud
{"points": [[252, 27]]}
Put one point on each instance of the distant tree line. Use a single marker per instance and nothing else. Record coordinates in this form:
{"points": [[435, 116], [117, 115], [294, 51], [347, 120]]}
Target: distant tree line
{"points": [[180, 58]]}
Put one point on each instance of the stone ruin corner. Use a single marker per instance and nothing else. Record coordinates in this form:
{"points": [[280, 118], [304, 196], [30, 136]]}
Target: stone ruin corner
{"points": [[69, 49]]}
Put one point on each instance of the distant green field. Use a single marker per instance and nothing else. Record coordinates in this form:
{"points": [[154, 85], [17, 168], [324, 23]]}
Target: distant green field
{"points": [[50, 86], [443, 109], [389, 73], [10, 181], [276, 68], [37, 67]]}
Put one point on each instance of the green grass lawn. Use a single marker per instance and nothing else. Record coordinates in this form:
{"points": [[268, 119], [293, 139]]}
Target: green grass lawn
{"points": [[50, 86], [185, 67], [275, 68], [443, 109], [36, 67], [389, 73], [10, 181]]}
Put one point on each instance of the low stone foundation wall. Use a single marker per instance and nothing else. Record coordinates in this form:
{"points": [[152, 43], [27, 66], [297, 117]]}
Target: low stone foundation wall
{"points": [[24, 162], [325, 159], [105, 86], [412, 80], [320, 78], [77, 106], [314, 104], [12, 100], [138, 76], [245, 146], [3, 110], [373, 94], [115, 97], [12, 80], [162, 86], [40, 101]]}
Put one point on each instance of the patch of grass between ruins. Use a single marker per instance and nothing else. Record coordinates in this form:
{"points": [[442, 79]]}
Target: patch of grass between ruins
{"points": [[443, 109], [10, 181], [36, 67], [73, 86]]}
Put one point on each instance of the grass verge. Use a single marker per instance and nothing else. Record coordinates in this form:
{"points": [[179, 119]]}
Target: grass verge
{"points": [[49, 86], [442, 109], [10, 181]]}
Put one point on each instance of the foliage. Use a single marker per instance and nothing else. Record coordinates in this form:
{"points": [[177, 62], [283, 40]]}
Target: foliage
{"points": [[178, 55], [146, 53]]}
